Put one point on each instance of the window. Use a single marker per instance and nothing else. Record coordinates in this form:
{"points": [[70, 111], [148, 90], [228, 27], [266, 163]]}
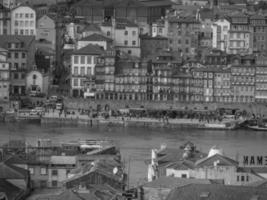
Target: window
{"points": [[247, 178], [89, 72], [82, 71], [54, 172], [16, 55], [16, 23], [95, 59], [76, 59], [26, 15], [31, 170], [76, 71], [89, 59], [129, 52], [32, 15], [75, 82], [23, 55], [9, 45], [125, 42], [81, 82], [21, 15], [16, 76], [82, 59], [54, 183], [134, 42], [108, 33], [43, 171], [125, 32], [242, 178], [9, 55], [26, 32], [184, 176], [21, 32], [16, 15], [23, 76], [133, 33], [32, 32]]}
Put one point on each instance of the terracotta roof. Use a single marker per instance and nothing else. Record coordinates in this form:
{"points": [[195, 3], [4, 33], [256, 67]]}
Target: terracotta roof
{"points": [[12, 192], [173, 182], [96, 37], [182, 165], [91, 27], [63, 160], [12, 172], [27, 40], [217, 192], [209, 161], [90, 49]]}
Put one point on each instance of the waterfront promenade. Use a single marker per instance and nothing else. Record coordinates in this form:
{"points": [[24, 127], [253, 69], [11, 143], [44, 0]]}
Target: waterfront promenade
{"points": [[75, 118]]}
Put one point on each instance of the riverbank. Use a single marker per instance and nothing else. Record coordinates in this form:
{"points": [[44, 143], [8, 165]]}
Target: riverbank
{"points": [[84, 120]]}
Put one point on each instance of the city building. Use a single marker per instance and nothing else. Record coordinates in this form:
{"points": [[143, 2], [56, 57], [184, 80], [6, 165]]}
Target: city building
{"points": [[163, 157], [261, 79], [243, 79], [220, 31], [5, 20], [23, 21], [183, 34], [240, 35], [83, 65], [216, 166], [160, 28], [222, 85], [46, 30], [131, 79], [125, 35], [151, 46], [143, 12], [4, 76], [258, 23], [99, 172], [21, 51], [37, 83], [59, 169]]}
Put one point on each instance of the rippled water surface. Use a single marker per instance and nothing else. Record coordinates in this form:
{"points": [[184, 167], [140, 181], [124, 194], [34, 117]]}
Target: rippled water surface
{"points": [[136, 143]]}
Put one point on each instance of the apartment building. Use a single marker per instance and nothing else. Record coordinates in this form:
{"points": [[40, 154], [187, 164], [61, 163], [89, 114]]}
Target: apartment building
{"points": [[83, 62], [23, 21], [4, 76]]}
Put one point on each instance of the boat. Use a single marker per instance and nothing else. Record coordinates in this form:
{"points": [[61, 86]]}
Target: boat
{"points": [[257, 128], [223, 126]]}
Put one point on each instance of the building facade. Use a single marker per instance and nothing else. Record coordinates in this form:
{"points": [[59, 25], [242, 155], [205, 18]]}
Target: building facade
{"points": [[46, 30], [83, 65], [125, 35], [23, 21], [220, 31], [4, 76], [183, 34]]}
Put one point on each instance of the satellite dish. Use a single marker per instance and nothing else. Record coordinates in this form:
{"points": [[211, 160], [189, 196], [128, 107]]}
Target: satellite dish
{"points": [[115, 170]]}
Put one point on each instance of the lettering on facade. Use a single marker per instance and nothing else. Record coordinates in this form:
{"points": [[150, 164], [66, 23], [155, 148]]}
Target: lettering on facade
{"points": [[255, 160]]}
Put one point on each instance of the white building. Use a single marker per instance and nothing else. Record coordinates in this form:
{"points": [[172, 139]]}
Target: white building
{"points": [[46, 29], [160, 28], [37, 82], [83, 62], [4, 76], [23, 21], [125, 35], [220, 31]]}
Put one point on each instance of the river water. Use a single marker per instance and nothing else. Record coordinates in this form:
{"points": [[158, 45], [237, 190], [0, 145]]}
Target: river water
{"points": [[136, 143]]}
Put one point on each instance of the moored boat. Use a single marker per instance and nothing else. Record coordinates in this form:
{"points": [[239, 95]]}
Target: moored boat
{"points": [[257, 128]]}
